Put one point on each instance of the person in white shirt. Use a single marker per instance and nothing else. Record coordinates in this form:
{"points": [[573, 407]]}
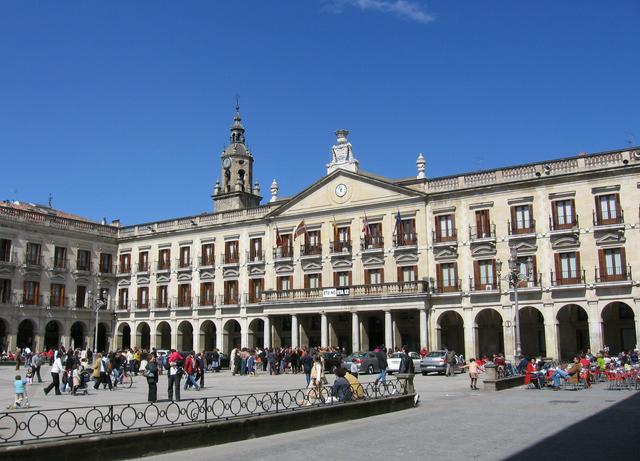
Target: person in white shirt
{"points": [[56, 369]]}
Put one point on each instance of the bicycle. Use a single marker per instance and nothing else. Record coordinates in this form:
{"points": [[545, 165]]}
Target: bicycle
{"points": [[124, 379]]}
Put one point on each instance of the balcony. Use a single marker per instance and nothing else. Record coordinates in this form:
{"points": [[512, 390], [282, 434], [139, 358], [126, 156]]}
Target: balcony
{"points": [[483, 287], [183, 264], [7, 298], [372, 244], [28, 300], [81, 302], [83, 266], [59, 264], [405, 240], [532, 285], [450, 287], [182, 303], [311, 251], [283, 253], [107, 269], [33, 262], [163, 266], [613, 275], [161, 304], [205, 302], [610, 219], [143, 267], [206, 261], [231, 259], [255, 257], [123, 305], [569, 227], [58, 302], [141, 304], [522, 228], [8, 258], [123, 270], [340, 248], [482, 233], [354, 291], [568, 279], [229, 299], [447, 239]]}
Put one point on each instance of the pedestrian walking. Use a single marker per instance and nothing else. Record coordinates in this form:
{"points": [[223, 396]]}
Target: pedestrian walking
{"points": [[151, 373], [36, 363], [382, 364], [56, 369]]}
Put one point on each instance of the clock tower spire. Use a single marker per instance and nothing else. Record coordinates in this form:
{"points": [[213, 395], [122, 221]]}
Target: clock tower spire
{"points": [[236, 189]]}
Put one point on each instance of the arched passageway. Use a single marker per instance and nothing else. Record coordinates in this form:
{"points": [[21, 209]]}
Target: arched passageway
{"points": [[256, 333], [532, 332], [77, 335], [123, 339], [450, 329], [208, 335], [573, 330], [143, 336], [185, 336], [52, 335], [163, 336], [26, 332], [232, 335], [490, 336], [619, 327]]}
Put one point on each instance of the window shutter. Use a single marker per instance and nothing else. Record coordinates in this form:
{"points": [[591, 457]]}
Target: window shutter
{"points": [[439, 276], [623, 261], [534, 268], [367, 279], [438, 231], [476, 274], [578, 266], [598, 209], [350, 278], [618, 208], [558, 266], [493, 273], [399, 275], [453, 225], [602, 263], [335, 279], [479, 223], [573, 211], [382, 275], [554, 214]]}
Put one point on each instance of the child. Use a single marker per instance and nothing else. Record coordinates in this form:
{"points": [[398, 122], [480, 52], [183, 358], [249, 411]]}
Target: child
{"points": [[20, 391], [251, 362], [474, 368], [29, 374]]}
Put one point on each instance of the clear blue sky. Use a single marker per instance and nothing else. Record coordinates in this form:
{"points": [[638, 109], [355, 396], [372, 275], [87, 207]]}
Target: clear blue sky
{"points": [[121, 108]]}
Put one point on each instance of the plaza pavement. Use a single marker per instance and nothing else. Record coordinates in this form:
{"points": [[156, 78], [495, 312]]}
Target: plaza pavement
{"points": [[451, 423]]}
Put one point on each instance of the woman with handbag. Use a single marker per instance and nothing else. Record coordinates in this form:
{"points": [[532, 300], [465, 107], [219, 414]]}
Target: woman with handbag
{"points": [[151, 373]]}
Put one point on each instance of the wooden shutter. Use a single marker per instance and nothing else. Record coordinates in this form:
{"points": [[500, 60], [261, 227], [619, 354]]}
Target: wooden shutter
{"points": [[438, 229], [623, 261], [513, 220], [382, 275], [534, 268], [573, 212], [558, 265], [598, 210], [554, 214], [618, 208], [578, 267], [367, 278], [603, 264], [335, 279], [479, 223], [349, 278], [399, 274], [476, 274], [453, 226], [494, 276], [439, 276]]}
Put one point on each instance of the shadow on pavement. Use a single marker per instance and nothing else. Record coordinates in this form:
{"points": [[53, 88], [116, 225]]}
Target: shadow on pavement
{"points": [[608, 435]]}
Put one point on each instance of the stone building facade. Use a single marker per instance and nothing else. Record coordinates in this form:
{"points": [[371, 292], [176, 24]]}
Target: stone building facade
{"points": [[358, 260]]}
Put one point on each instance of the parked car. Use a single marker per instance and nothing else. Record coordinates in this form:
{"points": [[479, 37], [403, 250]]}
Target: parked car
{"points": [[367, 362], [332, 360], [436, 362], [393, 362]]}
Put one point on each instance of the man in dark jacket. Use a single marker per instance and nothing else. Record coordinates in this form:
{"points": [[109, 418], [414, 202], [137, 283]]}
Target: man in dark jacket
{"points": [[406, 363], [382, 364], [307, 364]]}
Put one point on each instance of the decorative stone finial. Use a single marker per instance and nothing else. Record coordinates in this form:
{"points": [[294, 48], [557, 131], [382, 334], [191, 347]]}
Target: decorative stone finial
{"points": [[421, 163], [256, 189], [216, 189], [274, 191], [342, 154]]}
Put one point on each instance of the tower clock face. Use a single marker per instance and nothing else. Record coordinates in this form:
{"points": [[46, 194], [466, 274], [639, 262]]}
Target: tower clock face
{"points": [[226, 163], [341, 190]]}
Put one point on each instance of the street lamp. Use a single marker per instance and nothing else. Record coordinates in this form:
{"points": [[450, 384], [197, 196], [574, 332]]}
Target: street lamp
{"points": [[514, 277], [97, 305]]}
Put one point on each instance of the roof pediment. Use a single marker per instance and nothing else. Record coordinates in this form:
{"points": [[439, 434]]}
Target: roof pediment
{"points": [[357, 190]]}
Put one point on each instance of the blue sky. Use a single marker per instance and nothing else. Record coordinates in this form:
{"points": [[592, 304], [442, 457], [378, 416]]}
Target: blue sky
{"points": [[120, 109]]}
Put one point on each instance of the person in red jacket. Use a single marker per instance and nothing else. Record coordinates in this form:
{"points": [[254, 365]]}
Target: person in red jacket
{"points": [[175, 373], [190, 368]]}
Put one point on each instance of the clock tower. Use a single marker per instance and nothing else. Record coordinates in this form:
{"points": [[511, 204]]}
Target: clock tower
{"points": [[236, 190]]}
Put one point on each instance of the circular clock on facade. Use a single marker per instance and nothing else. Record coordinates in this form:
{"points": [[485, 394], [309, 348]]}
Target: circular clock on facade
{"points": [[226, 163], [341, 190]]}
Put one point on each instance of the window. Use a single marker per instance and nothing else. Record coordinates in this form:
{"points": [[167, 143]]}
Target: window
{"points": [[143, 298], [445, 230], [106, 263], [608, 209], [447, 277], [5, 291], [164, 259], [83, 262], [31, 294], [406, 233], [231, 252], [60, 258], [407, 274], [563, 214], [162, 296], [81, 296], [255, 250], [185, 257], [526, 266], [522, 219], [312, 244], [207, 258], [484, 274], [286, 246], [5, 250], [374, 239], [313, 281], [284, 283], [33, 254], [143, 261], [206, 294], [483, 225], [123, 298], [342, 239], [374, 276], [256, 287], [184, 295], [613, 264], [231, 292], [568, 269], [125, 263], [342, 279]]}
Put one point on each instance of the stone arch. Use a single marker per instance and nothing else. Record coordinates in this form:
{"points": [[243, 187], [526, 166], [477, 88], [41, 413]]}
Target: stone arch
{"points": [[232, 334], [163, 336], [618, 327], [4, 333], [573, 330], [52, 334], [143, 336], [26, 334], [450, 330], [185, 336], [77, 335], [255, 333], [102, 344], [123, 336], [532, 335], [490, 335], [208, 332]]}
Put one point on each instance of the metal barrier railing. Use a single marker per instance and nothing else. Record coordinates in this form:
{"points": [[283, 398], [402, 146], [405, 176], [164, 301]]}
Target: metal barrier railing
{"points": [[23, 427]]}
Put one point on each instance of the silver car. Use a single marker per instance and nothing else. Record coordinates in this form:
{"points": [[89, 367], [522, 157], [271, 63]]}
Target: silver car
{"points": [[367, 362], [436, 362]]}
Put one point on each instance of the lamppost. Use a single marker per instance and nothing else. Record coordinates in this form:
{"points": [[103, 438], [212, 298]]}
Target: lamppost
{"points": [[514, 277], [97, 305]]}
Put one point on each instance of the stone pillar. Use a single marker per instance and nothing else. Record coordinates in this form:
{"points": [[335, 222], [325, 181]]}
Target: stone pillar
{"points": [[152, 335], [324, 330], [355, 332], [174, 335], [469, 333], [220, 337], [244, 332], [595, 335], [10, 342], [509, 332], [388, 330], [196, 337], [424, 329], [550, 332], [267, 332], [295, 330]]}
